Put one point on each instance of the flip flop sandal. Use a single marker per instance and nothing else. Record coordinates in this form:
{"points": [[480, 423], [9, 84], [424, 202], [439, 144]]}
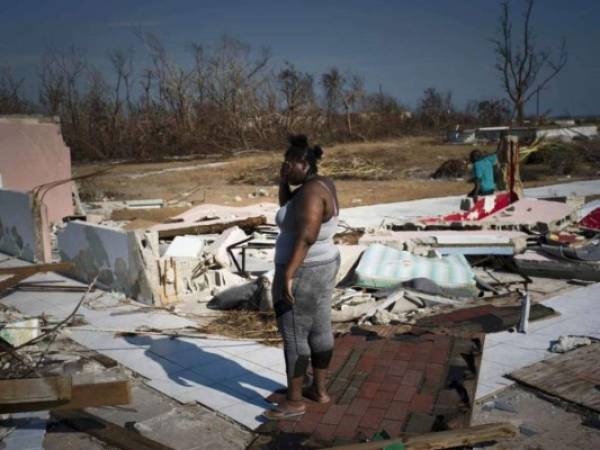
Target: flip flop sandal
{"points": [[280, 414]]}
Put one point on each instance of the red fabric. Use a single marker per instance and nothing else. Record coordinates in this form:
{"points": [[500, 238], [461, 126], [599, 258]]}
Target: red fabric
{"points": [[592, 220], [477, 212]]}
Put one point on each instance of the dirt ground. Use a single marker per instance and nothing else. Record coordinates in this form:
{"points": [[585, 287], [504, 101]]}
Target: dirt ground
{"points": [[365, 173]]}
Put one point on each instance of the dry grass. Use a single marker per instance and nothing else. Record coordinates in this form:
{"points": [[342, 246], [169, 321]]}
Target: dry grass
{"points": [[258, 326], [365, 173]]}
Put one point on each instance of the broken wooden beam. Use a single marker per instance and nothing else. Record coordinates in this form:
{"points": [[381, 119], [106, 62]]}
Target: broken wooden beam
{"points": [[18, 274], [214, 228], [109, 388], [36, 268], [108, 432], [34, 394], [106, 388], [51, 287], [444, 439]]}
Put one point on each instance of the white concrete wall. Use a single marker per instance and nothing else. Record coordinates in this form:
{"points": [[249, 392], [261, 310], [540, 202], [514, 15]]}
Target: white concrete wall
{"points": [[23, 231], [112, 255]]}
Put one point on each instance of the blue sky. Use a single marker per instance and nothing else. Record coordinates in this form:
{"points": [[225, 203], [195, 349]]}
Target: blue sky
{"points": [[406, 46]]}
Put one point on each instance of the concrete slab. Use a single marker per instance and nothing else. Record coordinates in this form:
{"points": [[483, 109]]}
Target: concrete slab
{"points": [[229, 376], [505, 352], [187, 246], [145, 404], [573, 189], [185, 428], [29, 432]]}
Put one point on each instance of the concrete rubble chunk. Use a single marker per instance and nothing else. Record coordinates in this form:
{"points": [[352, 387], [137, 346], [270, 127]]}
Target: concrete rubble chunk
{"points": [[20, 332], [28, 433], [218, 248], [187, 246], [216, 281]]}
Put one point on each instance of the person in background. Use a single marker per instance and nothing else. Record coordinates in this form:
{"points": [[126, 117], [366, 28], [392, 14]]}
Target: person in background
{"points": [[306, 266], [485, 169]]}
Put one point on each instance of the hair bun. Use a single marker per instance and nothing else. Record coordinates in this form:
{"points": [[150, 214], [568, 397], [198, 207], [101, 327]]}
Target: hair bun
{"points": [[318, 151], [298, 140]]}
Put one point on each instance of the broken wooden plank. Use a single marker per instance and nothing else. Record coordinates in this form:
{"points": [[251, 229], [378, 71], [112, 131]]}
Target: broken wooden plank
{"points": [[13, 280], [18, 274], [245, 224], [51, 287], [36, 268], [572, 376], [34, 394], [108, 432], [443, 439], [109, 388]]}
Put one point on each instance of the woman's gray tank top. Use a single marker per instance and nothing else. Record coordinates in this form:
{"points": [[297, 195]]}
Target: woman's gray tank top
{"points": [[322, 250]]}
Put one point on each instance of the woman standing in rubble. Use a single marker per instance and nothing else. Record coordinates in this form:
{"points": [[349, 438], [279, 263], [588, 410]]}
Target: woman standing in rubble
{"points": [[306, 266]]}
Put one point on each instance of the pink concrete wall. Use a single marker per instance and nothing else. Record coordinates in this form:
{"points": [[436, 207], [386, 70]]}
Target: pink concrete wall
{"points": [[32, 152]]}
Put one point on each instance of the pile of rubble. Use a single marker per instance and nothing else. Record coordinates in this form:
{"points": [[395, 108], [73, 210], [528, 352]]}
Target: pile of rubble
{"points": [[100, 300]]}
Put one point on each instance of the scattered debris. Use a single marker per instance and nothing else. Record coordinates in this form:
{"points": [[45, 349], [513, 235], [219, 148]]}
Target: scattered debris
{"points": [[19, 332], [413, 301], [451, 168], [568, 343]]}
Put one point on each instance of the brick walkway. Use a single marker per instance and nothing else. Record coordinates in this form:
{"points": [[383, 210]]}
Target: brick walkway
{"points": [[403, 383]]}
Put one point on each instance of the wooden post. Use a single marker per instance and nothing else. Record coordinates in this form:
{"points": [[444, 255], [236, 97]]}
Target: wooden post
{"points": [[245, 224]]}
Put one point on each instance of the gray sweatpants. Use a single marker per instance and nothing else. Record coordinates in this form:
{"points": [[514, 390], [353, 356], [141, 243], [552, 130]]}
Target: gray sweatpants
{"points": [[305, 326]]}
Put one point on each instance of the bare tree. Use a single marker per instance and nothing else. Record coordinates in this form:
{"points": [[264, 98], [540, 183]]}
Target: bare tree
{"points": [[524, 68], [345, 90], [297, 91], [352, 92], [332, 82], [435, 108], [493, 111], [122, 63], [11, 97], [235, 82]]}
